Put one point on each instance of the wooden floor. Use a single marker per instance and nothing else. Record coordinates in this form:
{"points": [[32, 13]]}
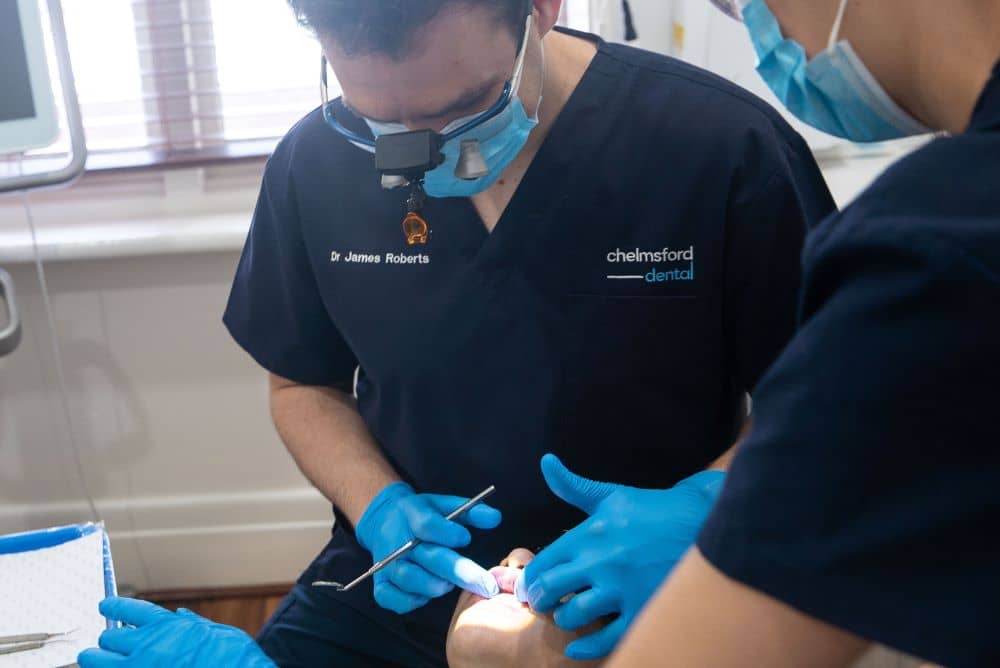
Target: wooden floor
{"points": [[244, 607]]}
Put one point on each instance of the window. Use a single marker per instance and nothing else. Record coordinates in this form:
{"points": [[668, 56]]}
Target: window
{"points": [[268, 68], [106, 70], [163, 81], [183, 80]]}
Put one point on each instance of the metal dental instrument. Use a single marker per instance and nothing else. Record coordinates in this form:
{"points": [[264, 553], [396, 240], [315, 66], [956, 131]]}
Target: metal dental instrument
{"points": [[29, 642], [409, 545]]}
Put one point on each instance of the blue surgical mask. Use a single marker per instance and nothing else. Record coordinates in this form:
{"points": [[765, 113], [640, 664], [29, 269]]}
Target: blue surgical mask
{"points": [[501, 138], [834, 92]]}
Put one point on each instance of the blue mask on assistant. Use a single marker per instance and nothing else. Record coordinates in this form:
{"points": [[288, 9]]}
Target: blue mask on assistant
{"points": [[834, 92]]}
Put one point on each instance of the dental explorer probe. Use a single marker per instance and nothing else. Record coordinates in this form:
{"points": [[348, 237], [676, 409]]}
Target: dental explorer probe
{"points": [[409, 545]]}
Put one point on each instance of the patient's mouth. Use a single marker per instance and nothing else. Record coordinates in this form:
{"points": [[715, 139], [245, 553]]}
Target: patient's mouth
{"points": [[506, 577], [505, 602]]}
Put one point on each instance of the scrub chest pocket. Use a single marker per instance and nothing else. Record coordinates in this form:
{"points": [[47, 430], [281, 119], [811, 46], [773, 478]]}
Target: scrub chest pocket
{"points": [[626, 360], [621, 338]]}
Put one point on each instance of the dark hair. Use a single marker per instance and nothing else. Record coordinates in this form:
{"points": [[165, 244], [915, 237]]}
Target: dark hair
{"points": [[386, 26]]}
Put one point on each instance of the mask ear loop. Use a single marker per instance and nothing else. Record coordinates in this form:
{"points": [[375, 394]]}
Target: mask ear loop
{"points": [[515, 79], [519, 67], [835, 33], [541, 79]]}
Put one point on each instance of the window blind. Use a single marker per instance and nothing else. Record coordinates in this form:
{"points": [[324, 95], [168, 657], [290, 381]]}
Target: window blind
{"points": [[162, 81]]}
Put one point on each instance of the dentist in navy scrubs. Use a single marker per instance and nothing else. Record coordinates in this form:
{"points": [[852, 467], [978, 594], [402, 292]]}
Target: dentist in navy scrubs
{"points": [[865, 503], [598, 266]]}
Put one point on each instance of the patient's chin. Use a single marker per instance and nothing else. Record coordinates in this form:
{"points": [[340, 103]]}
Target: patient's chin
{"points": [[502, 632], [502, 613], [487, 631]]}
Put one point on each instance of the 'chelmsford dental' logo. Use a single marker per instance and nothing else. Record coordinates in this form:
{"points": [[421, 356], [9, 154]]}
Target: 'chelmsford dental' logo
{"points": [[682, 262]]}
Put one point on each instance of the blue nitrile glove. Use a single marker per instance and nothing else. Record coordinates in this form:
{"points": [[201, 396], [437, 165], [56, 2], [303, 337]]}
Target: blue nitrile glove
{"points": [[432, 569], [618, 556], [164, 638]]}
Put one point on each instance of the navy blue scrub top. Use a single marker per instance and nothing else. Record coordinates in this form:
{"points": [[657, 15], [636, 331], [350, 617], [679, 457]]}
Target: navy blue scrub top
{"points": [[868, 494], [639, 282]]}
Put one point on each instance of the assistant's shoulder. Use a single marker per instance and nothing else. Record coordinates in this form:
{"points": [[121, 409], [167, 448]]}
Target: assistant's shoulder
{"points": [[945, 178], [940, 200]]}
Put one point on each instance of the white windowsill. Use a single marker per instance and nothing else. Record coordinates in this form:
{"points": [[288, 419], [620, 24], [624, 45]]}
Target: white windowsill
{"points": [[104, 216], [154, 236]]}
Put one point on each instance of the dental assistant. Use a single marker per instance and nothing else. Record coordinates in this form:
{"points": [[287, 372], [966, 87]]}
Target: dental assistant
{"points": [[865, 503], [599, 261]]}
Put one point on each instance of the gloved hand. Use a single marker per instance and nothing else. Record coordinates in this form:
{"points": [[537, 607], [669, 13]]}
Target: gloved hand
{"points": [[431, 569], [618, 556], [164, 638]]}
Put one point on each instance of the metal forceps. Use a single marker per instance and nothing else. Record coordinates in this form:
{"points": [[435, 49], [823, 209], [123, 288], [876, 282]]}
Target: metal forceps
{"points": [[28, 642], [406, 547]]}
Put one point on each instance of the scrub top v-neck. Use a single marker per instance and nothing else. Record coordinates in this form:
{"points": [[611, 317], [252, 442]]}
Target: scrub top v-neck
{"points": [[639, 282]]}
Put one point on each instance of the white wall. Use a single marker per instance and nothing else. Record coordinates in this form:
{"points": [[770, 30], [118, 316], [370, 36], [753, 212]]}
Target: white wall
{"points": [[169, 414]]}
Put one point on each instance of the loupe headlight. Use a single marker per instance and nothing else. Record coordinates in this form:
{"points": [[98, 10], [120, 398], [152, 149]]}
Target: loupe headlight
{"points": [[402, 157]]}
